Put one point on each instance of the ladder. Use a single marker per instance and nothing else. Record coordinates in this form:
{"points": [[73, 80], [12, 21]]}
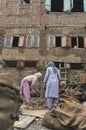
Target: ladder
{"points": [[64, 74]]}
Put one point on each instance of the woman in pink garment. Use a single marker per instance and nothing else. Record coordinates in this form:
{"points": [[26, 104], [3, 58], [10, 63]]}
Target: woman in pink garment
{"points": [[28, 83]]}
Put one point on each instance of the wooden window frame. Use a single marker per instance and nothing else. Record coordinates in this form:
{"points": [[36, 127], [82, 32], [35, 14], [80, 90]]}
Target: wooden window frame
{"points": [[32, 42], [10, 41], [19, 44], [54, 45], [66, 44], [77, 43], [33, 37], [66, 9], [28, 46], [84, 42], [53, 41]]}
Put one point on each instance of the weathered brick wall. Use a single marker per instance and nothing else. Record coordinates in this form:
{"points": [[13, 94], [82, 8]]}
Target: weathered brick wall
{"points": [[28, 19]]}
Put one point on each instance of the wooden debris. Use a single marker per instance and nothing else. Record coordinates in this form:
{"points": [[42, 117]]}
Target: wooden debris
{"points": [[35, 113]]}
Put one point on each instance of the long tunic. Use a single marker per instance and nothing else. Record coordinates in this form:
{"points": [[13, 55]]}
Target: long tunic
{"points": [[25, 90], [27, 83], [52, 83]]}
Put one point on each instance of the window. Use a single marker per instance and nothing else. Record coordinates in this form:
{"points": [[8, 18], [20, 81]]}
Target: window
{"points": [[76, 66], [14, 41], [56, 8], [8, 41], [29, 42], [32, 41], [29, 63], [80, 42], [68, 5], [28, 1], [77, 42], [59, 64], [35, 42], [58, 41], [21, 41], [74, 42], [11, 63], [64, 41], [52, 41], [78, 6], [65, 5], [67, 41]]}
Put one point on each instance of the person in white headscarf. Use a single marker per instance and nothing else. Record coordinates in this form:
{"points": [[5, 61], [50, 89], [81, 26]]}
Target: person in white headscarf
{"points": [[27, 83], [52, 79]]}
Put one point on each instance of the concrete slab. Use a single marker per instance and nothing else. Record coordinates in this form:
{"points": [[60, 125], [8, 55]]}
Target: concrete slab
{"points": [[24, 122]]}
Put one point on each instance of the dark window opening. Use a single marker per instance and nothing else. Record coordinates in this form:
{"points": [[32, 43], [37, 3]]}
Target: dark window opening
{"points": [[11, 63], [59, 64], [80, 42], [58, 41], [57, 5], [15, 41], [76, 66], [77, 6], [74, 42], [30, 63], [27, 1]]}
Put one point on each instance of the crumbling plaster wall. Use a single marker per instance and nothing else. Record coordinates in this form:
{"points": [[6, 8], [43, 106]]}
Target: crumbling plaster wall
{"points": [[28, 19]]}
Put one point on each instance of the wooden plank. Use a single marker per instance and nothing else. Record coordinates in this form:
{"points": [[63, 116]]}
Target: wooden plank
{"points": [[24, 121], [34, 113]]}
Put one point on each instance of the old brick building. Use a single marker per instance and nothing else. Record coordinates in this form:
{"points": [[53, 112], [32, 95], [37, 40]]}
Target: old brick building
{"points": [[33, 32]]}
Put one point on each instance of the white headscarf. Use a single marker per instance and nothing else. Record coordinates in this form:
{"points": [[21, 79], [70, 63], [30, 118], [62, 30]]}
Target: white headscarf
{"points": [[38, 74], [53, 66]]}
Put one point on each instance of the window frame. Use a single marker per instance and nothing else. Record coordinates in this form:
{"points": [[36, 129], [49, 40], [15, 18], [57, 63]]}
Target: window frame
{"points": [[85, 42], [66, 8], [54, 43], [51, 46], [77, 43], [48, 5], [32, 42], [10, 41], [33, 39], [66, 41], [21, 44]]}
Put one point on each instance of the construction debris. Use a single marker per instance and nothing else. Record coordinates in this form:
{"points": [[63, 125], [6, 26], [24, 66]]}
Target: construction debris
{"points": [[23, 122], [70, 112]]}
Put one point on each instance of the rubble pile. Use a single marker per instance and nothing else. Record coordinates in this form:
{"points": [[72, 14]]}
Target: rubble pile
{"points": [[70, 113]]}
